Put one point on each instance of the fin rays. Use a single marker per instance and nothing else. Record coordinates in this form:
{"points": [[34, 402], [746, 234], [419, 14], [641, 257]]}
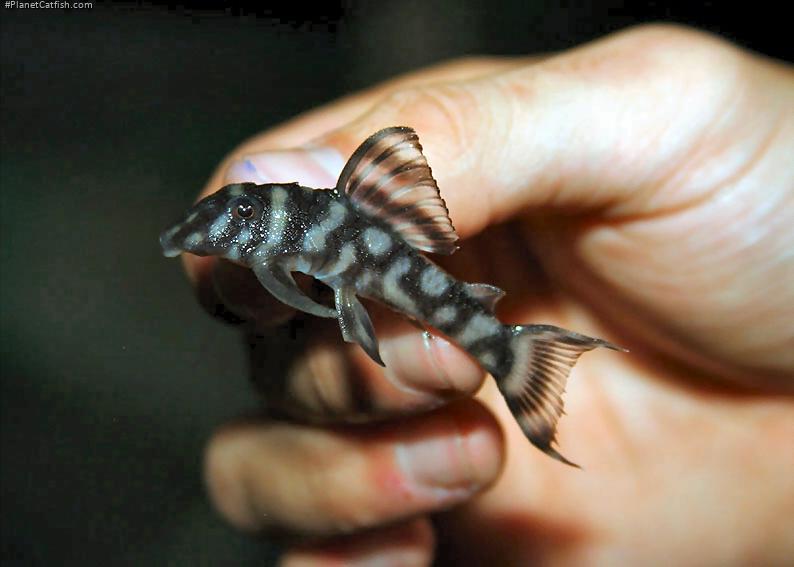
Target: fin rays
{"points": [[543, 358], [388, 178]]}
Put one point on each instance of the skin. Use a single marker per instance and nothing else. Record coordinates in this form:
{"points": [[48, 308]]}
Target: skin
{"points": [[639, 189]]}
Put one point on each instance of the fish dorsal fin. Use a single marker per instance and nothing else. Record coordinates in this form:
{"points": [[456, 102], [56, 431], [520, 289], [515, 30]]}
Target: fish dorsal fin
{"points": [[488, 295], [388, 177]]}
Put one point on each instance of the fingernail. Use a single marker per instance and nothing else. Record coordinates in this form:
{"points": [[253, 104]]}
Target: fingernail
{"points": [[452, 467], [422, 361], [312, 167]]}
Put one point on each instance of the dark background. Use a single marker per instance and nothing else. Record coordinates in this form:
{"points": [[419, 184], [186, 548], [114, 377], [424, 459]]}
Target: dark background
{"points": [[112, 119]]}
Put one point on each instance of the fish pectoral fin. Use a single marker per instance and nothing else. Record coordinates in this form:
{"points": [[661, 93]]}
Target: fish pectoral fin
{"points": [[279, 282], [355, 323]]}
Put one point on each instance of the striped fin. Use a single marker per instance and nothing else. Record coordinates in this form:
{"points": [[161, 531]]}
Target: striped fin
{"points": [[543, 358], [388, 177], [355, 323]]}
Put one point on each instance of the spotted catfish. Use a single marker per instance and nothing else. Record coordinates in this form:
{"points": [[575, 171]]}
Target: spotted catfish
{"points": [[364, 238]]}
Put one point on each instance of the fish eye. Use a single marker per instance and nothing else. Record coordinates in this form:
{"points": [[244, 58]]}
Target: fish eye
{"points": [[244, 209]]}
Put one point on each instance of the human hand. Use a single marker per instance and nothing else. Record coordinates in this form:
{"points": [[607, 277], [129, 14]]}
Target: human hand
{"points": [[649, 174]]}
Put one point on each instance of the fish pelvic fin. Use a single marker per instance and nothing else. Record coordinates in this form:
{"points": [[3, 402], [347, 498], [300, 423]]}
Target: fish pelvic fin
{"points": [[543, 356]]}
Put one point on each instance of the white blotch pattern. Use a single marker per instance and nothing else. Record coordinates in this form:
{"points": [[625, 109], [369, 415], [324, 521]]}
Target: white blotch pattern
{"points": [[347, 256], [433, 281], [278, 216], [488, 360], [445, 315], [478, 327], [219, 225], [232, 253], [378, 242], [299, 264], [194, 239], [314, 241], [364, 280], [171, 232], [523, 351], [392, 291], [244, 237]]}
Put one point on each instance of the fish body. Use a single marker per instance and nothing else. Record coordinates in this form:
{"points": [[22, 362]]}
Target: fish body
{"points": [[365, 238]]}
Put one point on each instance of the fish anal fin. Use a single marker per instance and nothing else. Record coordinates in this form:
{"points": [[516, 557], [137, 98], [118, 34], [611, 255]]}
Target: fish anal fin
{"points": [[355, 324], [388, 177], [488, 295], [533, 388]]}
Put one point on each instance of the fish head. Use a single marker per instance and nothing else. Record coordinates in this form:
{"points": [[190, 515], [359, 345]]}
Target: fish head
{"points": [[227, 223]]}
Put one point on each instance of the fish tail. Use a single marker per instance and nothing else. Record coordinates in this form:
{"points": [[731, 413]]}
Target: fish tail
{"points": [[542, 358]]}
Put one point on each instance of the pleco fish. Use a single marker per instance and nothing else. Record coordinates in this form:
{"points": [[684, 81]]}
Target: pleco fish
{"points": [[363, 239]]}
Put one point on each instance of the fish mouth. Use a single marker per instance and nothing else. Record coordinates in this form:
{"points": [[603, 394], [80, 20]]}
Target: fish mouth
{"points": [[185, 237], [168, 242]]}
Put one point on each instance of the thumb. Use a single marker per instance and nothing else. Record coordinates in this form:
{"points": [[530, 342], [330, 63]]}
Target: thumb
{"points": [[601, 128], [643, 125]]}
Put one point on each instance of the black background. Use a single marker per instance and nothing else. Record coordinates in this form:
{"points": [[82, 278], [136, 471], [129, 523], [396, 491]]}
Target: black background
{"points": [[112, 119]]}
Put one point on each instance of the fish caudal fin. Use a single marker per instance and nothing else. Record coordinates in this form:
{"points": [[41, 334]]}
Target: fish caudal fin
{"points": [[543, 356]]}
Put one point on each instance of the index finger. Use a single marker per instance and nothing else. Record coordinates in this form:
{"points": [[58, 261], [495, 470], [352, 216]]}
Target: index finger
{"points": [[326, 118]]}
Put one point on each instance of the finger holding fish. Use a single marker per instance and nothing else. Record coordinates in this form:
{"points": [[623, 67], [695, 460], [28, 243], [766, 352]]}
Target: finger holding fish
{"points": [[288, 510], [402, 469], [327, 382], [563, 177], [304, 128], [306, 371], [364, 238]]}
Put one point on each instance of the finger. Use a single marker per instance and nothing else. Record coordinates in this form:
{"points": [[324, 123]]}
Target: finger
{"points": [[329, 380], [325, 380], [232, 293], [333, 115], [410, 543], [598, 129], [601, 128], [584, 131], [296, 479], [327, 117]]}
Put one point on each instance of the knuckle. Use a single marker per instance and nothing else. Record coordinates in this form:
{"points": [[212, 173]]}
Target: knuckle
{"points": [[684, 51], [427, 106], [665, 35], [645, 52], [699, 66], [678, 62]]}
